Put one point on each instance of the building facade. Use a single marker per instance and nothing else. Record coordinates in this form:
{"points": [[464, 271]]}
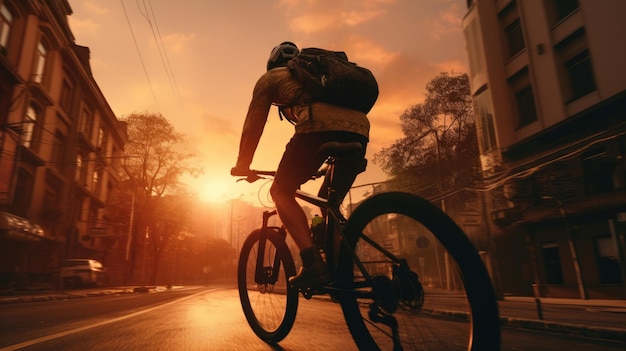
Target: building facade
{"points": [[61, 145], [549, 89]]}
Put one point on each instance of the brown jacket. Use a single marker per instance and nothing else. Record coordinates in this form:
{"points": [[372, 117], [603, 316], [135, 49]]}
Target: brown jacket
{"points": [[279, 87]]}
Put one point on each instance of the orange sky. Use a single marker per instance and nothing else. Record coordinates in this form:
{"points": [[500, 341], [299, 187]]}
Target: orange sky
{"points": [[196, 62]]}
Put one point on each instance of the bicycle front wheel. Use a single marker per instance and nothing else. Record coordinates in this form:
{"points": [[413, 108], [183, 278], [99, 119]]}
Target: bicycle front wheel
{"points": [[268, 302], [391, 232]]}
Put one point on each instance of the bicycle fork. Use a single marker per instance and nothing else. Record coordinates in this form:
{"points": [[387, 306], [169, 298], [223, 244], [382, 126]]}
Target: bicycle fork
{"points": [[263, 274]]}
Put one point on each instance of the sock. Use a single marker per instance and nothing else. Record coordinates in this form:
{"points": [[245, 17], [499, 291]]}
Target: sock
{"points": [[309, 256]]}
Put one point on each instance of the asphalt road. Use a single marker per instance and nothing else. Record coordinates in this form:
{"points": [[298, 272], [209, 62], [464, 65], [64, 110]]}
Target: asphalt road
{"points": [[211, 319]]}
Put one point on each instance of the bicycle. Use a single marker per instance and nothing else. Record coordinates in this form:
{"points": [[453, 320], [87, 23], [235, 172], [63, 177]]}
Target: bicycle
{"points": [[366, 269]]}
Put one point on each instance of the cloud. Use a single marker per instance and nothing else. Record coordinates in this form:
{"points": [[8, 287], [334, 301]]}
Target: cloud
{"points": [[447, 22], [316, 16], [94, 8], [177, 42]]}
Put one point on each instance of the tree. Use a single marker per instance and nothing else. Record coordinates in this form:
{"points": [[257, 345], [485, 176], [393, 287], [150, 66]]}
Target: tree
{"points": [[153, 163], [439, 150]]}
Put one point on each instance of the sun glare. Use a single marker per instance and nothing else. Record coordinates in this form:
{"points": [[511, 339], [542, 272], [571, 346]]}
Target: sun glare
{"points": [[217, 190]]}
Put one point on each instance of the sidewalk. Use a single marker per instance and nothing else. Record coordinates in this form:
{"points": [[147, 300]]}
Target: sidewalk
{"points": [[603, 319], [49, 295]]}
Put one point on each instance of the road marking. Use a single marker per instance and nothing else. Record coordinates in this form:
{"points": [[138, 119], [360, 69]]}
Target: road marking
{"points": [[77, 330]]}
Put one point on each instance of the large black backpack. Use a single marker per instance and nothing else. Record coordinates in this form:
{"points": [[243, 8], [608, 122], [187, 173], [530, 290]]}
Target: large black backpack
{"points": [[331, 78]]}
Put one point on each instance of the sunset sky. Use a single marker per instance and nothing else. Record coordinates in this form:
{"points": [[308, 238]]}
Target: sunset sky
{"points": [[196, 62]]}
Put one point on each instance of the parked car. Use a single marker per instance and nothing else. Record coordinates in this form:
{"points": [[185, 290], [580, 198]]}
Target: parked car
{"points": [[82, 271]]}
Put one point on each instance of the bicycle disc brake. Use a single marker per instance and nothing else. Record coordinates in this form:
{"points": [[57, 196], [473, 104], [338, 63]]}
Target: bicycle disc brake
{"points": [[267, 285]]}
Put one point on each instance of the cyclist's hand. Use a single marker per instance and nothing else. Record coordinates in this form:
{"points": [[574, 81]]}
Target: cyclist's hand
{"points": [[240, 171], [245, 172]]}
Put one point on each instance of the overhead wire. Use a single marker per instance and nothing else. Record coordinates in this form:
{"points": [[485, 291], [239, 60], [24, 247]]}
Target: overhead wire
{"points": [[148, 14], [143, 65]]}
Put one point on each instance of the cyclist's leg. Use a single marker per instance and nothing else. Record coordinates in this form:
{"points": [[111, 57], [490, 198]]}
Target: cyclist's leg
{"points": [[298, 164], [345, 172]]}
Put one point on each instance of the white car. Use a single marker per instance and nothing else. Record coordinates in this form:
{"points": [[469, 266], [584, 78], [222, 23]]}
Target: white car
{"points": [[82, 271]]}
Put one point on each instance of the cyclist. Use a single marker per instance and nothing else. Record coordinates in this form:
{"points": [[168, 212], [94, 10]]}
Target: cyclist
{"points": [[315, 123]]}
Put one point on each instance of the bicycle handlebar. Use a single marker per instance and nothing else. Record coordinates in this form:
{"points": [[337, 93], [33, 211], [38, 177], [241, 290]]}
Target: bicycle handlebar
{"points": [[255, 175]]}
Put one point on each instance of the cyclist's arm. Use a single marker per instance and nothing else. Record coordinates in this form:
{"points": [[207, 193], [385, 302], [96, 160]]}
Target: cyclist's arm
{"points": [[255, 121]]}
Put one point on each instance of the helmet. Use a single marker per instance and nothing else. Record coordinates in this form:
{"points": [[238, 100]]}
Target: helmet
{"points": [[282, 53]]}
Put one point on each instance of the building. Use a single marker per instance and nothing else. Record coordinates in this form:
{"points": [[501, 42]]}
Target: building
{"points": [[61, 145], [549, 88]]}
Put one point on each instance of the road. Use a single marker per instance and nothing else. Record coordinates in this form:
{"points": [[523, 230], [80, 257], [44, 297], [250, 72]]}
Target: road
{"points": [[211, 319]]}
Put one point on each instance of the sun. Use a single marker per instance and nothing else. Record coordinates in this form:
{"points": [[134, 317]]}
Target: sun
{"points": [[216, 189]]}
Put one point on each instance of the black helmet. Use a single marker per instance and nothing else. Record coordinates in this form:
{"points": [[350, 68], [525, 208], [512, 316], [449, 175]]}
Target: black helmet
{"points": [[281, 54]]}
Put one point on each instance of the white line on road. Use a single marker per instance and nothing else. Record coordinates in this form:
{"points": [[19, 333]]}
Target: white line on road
{"points": [[77, 330]]}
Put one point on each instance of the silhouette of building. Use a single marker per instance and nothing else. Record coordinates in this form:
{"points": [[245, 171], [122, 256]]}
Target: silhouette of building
{"points": [[61, 145], [549, 88]]}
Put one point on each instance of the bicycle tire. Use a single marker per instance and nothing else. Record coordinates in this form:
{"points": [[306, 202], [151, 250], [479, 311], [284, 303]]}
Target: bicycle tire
{"points": [[270, 309], [483, 332]]}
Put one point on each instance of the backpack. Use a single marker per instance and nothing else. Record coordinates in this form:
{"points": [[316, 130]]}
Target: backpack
{"points": [[331, 78]]}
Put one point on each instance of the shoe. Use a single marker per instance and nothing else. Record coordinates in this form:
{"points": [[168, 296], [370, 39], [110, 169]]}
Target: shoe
{"points": [[311, 277]]}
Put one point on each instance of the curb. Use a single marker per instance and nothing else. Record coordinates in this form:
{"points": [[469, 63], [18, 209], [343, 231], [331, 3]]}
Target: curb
{"points": [[605, 333], [62, 296]]}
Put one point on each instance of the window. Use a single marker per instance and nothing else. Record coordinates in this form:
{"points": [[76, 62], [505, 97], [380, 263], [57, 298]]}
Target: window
{"points": [[559, 9], [86, 123], [486, 128], [598, 169], [79, 167], [5, 26], [66, 96], [58, 148], [28, 128], [575, 69], [607, 260], [512, 29], [524, 98], [94, 179], [514, 37], [552, 263], [580, 74], [40, 63]]}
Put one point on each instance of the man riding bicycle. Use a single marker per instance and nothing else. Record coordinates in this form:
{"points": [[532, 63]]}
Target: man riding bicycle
{"points": [[316, 123]]}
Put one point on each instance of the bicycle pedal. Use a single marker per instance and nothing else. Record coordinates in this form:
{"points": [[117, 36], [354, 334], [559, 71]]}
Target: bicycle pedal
{"points": [[307, 293]]}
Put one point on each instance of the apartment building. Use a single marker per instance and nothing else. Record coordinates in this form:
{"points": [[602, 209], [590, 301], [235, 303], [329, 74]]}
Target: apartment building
{"points": [[61, 145], [549, 86]]}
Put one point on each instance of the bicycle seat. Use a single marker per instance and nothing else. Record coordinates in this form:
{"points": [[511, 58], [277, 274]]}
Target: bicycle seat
{"points": [[338, 149]]}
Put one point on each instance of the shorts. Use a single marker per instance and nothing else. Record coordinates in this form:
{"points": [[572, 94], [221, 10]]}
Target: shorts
{"points": [[300, 162]]}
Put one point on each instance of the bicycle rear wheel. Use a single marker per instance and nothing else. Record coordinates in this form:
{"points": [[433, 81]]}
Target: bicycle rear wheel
{"points": [[268, 302], [448, 265]]}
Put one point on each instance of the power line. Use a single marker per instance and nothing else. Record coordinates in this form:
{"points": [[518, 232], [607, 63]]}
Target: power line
{"points": [[139, 53]]}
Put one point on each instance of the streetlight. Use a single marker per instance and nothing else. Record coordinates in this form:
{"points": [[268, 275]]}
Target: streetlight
{"points": [[572, 247]]}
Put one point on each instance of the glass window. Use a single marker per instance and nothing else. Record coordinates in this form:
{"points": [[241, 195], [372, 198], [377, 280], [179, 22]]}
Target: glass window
{"points": [[575, 67], [524, 98], [559, 9], [552, 263], [512, 29], [58, 148], [580, 74], [40, 63], [87, 123], [607, 260], [79, 166], [66, 96], [5, 25], [28, 128], [486, 128]]}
